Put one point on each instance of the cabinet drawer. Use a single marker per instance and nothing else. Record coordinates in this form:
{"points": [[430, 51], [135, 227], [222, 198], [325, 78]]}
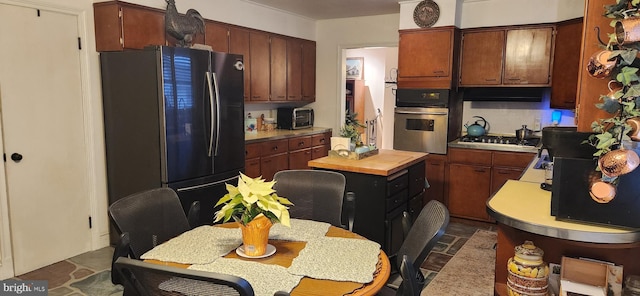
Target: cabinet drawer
{"points": [[416, 178], [512, 159], [471, 156], [320, 139], [251, 150], [274, 147], [397, 182], [397, 200], [299, 143]]}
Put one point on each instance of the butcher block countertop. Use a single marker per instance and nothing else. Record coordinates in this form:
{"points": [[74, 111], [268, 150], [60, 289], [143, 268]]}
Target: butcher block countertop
{"points": [[385, 163]]}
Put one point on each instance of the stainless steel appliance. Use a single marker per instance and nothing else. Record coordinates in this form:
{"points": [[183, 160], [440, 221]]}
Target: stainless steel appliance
{"points": [[173, 118], [295, 118], [497, 142], [426, 119], [421, 129]]}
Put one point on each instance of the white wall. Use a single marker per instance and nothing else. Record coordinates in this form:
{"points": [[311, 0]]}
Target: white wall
{"points": [[334, 37]]}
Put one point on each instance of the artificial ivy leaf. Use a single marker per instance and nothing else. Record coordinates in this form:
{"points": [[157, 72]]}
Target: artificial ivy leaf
{"points": [[633, 91], [628, 55], [627, 75], [609, 105], [635, 2], [606, 144]]}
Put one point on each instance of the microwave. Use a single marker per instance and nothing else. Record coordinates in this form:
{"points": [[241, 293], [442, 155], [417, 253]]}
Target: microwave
{"points": [[295, 118]]}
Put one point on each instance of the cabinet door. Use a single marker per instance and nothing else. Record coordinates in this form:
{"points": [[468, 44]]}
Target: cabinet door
{"points": [[299, 159], [319, 151], [217, 36], [308, 70], [252, 167], [278, 65], [260, 71], [294, 69], [142, 27], [121, 27], [482, 56], [566, 64], [528, 56], [239, 43], [425, 54], [469, 189], [270, 165], [500, 175], [435, 172]]}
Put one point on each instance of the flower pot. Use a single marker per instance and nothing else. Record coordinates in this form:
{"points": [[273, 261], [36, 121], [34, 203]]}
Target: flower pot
{"points": [[627, 30], [255, 235]]}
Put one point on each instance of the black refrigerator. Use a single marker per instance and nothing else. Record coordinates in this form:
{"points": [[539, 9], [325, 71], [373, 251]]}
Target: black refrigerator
{"points": [[173, 118]]}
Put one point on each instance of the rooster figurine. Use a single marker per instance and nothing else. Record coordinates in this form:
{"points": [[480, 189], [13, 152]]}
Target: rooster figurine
{"points": [[182, 27]]}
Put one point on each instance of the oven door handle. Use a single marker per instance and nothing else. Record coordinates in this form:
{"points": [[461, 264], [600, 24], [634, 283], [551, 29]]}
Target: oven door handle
{"points": [[421, 113]]}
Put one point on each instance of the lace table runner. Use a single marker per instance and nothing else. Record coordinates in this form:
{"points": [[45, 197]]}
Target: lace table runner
{"points": [[265, 279], [200, 245], [337, 259], [300, 230]]}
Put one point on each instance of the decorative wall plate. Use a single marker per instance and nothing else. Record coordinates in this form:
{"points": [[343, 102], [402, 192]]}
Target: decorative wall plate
{"points": [[426, 13]]}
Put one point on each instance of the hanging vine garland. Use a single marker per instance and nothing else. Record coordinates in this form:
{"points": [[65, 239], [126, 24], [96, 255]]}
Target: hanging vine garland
{"points": [[617, 60]]}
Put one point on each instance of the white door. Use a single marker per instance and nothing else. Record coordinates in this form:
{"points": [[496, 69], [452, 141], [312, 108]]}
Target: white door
{"points": [[42, 121]]}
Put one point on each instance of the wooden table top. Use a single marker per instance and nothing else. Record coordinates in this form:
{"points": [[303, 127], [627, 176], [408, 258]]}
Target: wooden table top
{"points": [[288, 250], [385, 163]]}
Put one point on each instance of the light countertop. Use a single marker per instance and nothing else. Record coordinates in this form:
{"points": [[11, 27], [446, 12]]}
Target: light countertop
{"points": [[283, 134], [523, 205], [385, 163]]}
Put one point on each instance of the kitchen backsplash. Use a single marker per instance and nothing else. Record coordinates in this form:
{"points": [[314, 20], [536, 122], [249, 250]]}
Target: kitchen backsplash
{"points": [[506, 117]]}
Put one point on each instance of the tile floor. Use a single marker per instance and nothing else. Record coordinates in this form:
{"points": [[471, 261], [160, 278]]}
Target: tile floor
{"points": [[89, 273]]}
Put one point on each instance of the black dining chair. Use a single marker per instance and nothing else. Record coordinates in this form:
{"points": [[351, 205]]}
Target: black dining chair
{"points": [[147, 219], [410, 285], [317, 195], [422, 236], [155, 279]]}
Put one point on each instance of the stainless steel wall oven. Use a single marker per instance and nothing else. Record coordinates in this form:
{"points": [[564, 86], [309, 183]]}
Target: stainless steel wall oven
{"points": [[426, 119]]}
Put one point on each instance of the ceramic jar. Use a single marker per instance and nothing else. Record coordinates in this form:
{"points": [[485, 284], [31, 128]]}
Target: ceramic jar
{"points": [[528, 273]]}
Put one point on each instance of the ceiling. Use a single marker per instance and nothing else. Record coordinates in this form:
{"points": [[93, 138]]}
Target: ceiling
{"points": [[330, 9]]}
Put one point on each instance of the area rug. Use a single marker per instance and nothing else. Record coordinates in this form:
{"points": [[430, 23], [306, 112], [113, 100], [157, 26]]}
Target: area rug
{"points": [[470, 271]]}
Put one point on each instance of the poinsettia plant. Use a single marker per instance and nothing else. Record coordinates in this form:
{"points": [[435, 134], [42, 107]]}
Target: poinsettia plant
{"points": [[252, 197]]}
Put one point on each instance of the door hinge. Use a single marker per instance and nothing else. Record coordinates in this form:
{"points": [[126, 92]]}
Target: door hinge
{"points": [[4, 157], [90, 223], [38, 12], [79, 43]]}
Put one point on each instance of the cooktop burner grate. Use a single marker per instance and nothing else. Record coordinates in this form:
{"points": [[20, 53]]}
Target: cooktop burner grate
{"points": [[500, 140]]}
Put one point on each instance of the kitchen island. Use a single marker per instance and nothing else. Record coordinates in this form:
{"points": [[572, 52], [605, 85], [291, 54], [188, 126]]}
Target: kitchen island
{"points": [[523, 212], [386, 185]]}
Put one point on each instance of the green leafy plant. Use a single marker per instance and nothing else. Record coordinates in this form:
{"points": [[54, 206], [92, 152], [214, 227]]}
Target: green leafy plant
{"points": [[351, 127], [251, 198]]}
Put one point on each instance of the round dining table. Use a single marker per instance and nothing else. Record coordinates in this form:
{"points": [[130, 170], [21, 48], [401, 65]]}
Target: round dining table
{"points": [[286, 251]]}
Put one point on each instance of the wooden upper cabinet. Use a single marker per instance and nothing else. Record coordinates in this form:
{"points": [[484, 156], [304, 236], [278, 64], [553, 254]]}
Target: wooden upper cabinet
{"points": [[308, 70], [482, 57], [566, 64], [507, 56], [278, 65], [528, 56], [294, 69], [120, 25], [425, 57], [260, 70], [239, 43], [217, 36]]}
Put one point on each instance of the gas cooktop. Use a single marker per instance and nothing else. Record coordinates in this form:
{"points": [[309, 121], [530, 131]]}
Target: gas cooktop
{"points": [[497, 142]]}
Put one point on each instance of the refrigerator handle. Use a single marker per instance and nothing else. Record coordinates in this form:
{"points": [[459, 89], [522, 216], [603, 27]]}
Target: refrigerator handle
{"points": [[210, 85], [217, 101]]}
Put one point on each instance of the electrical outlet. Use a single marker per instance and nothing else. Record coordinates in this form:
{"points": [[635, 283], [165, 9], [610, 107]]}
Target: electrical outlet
{"points": [[536, 124]]}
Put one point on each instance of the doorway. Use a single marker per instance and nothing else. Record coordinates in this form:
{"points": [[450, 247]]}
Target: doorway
{"points": [[43, 136], [373, 94]]}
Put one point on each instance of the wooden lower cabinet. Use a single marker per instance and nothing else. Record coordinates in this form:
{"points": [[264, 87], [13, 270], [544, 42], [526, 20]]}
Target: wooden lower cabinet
{"points": [[435, 171], [270, 156], [474, 175], [469, 189]]}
